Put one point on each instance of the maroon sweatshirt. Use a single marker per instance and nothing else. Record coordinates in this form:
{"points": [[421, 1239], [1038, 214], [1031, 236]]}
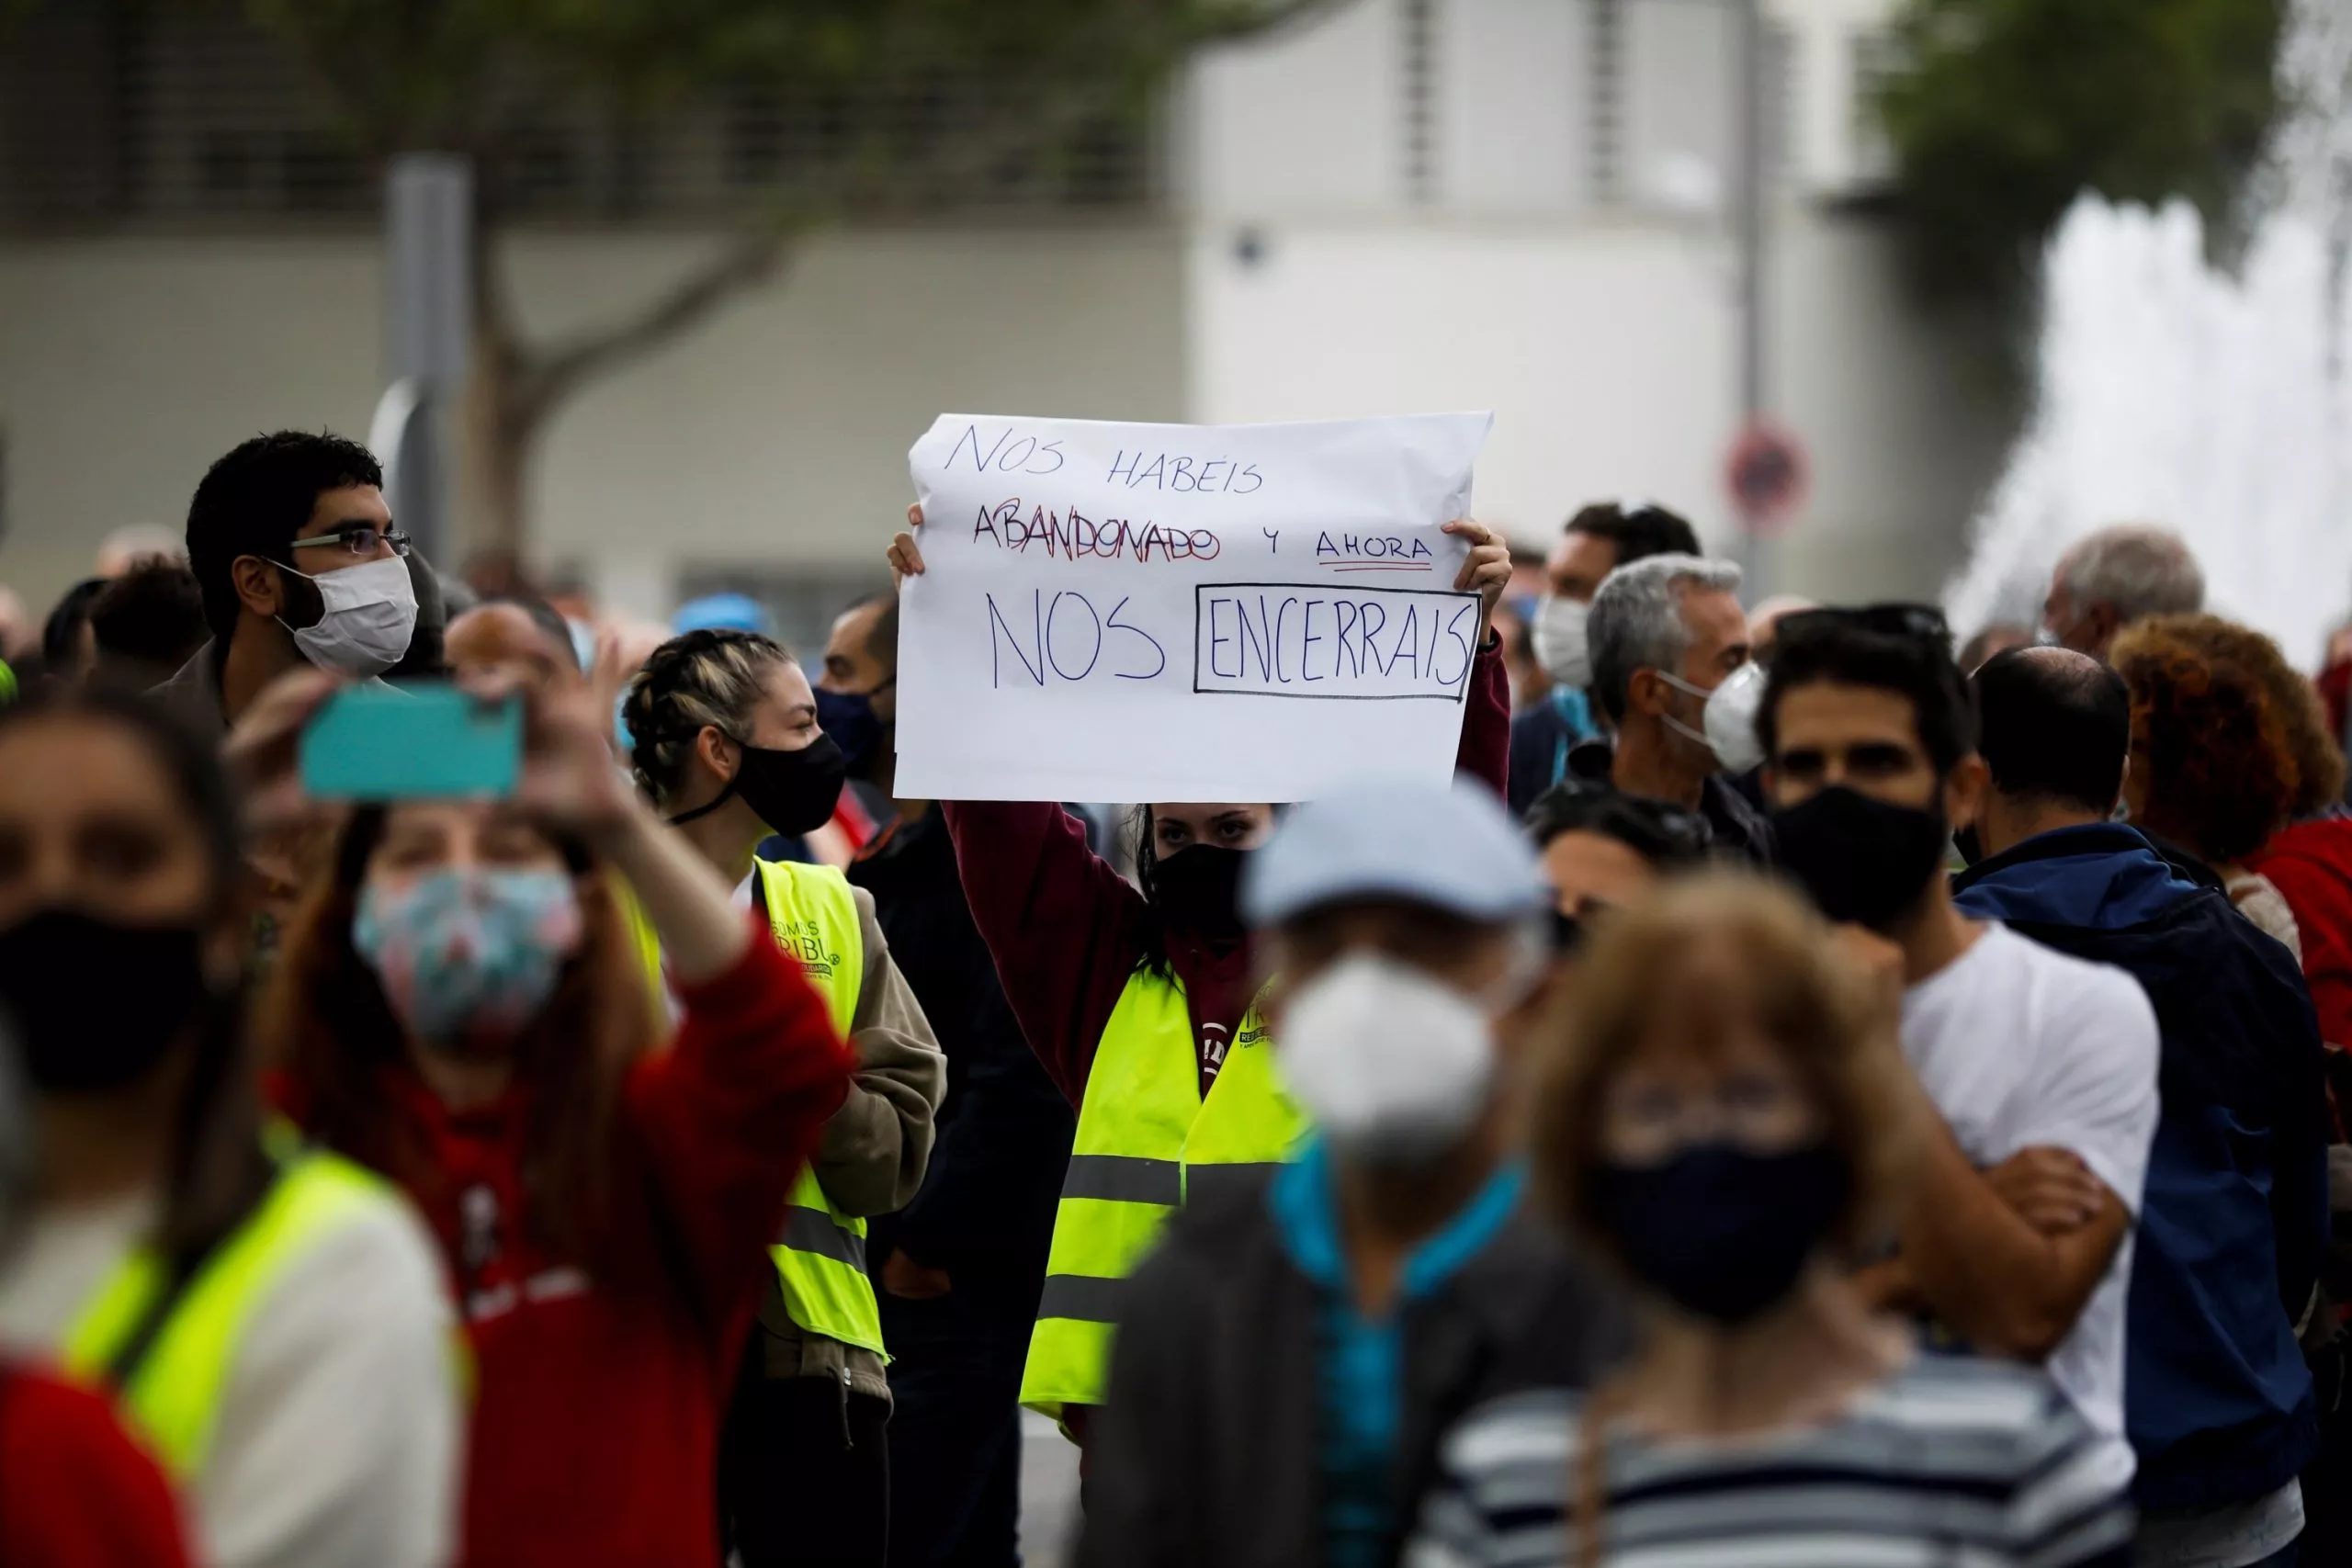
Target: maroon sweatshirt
{"points": [[1067, 930]]}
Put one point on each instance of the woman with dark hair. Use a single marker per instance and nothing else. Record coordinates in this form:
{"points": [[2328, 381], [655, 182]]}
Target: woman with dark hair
{"points": [[268, 1316], [1721, 1117], [458, 1007], [1156, 977], [727, 744]]}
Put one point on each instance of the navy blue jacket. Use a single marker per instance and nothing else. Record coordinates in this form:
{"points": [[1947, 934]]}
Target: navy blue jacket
{"points": [[2217, 1402]]}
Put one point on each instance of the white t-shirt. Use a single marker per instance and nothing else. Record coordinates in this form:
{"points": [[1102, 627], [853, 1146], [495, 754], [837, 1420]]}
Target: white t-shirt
{"points": [[2022, 1047], [340, 1435]]}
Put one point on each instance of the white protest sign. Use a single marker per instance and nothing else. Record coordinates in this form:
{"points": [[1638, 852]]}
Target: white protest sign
{"points": [[1170, 612]]}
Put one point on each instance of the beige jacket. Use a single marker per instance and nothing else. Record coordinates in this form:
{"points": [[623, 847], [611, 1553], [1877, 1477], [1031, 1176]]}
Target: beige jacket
{"points": [[875, 1151]]}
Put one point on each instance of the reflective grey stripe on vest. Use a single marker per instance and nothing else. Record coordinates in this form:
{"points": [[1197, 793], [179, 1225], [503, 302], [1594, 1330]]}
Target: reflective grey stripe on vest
{"points": [[1081, 1296], [1213, 1182], [1124, 1178], [813, 1230]]}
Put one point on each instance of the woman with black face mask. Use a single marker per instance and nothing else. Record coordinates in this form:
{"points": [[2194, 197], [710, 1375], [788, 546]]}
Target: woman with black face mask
{"points": [[269, 1318], [1720, 1118], [1154, 982], [728, 745]]}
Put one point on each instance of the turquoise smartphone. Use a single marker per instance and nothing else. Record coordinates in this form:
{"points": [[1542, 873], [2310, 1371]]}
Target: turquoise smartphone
{"points": [[421, 740]]}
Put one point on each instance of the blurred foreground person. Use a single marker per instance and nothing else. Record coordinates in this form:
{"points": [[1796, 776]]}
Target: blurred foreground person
{"points": [[299, 561], [1142, 999], [1721, 1112], [2030, 1058], [75, 1490], [145, 625], [2217, 1402], [1598, 540], [1671, 669], [2213, 774], [729, 747], [460, 1008], [2115, 577], [961, 1266], [270, 1318], [1288, 1357], [1602, 850]]}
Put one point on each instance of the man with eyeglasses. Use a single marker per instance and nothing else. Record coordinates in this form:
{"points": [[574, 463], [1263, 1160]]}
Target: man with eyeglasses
{"points": [[2035, 1072], [299, 562]]}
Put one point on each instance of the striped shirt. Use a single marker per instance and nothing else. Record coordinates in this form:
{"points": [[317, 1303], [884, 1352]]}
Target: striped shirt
{"points": [[1951, 1461]]}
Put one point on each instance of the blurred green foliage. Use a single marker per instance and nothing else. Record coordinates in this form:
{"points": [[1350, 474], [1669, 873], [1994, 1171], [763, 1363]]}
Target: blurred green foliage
{"points": [[2003, 111]]}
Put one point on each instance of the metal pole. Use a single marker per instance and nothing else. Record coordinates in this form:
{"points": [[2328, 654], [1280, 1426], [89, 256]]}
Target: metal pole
{"points": [[428, 321], [1748, 200]]}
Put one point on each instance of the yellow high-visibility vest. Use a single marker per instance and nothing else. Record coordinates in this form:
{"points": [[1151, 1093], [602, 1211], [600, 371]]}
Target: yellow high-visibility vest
{"points": [[171, 1396], [1146, 1139], [820, 1260]]}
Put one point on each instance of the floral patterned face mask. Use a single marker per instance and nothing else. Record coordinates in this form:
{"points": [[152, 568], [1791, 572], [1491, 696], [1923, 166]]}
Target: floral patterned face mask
{"points": [[469, 957]]}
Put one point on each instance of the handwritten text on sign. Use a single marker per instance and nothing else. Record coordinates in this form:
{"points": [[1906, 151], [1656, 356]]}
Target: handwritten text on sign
{"points": [[1108, 608]]}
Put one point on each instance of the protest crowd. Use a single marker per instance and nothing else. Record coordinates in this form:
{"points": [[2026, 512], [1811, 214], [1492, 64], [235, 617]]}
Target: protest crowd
{"points": [[489, 1085]]}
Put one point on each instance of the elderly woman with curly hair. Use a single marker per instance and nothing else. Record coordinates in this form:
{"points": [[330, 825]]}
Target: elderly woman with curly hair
{"points": [[2213, 773]]}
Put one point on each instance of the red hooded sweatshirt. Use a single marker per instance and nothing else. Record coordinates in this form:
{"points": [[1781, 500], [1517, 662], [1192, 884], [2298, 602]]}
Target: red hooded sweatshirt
{"points": [[597, 1402]]}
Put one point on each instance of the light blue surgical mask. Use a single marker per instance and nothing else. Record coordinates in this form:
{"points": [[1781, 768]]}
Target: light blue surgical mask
{"points": [[469, 957]]}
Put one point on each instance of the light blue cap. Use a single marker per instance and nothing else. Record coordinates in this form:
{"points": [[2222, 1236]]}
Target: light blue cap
{"points": [[722, 612], [1453, 849]]}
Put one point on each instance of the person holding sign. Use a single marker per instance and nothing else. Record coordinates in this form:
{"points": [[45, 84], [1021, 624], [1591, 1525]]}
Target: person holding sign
{"points": [[1156, 982]]}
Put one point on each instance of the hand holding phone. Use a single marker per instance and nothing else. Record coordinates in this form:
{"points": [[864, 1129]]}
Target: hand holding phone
{"points": [[421, 740]]}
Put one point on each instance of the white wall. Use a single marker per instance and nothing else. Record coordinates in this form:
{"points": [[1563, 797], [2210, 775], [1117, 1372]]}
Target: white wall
{"points": [[1605, 352], [775, 435]]}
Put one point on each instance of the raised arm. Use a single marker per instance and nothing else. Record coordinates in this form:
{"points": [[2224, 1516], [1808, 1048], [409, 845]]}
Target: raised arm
{"points": [[1065, 928], [1484, 751]]}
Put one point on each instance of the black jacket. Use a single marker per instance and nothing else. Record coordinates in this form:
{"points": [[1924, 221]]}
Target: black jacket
{"points": [[1742, 832], [1206, 1455], [2217, 1402], [985, 1210]]}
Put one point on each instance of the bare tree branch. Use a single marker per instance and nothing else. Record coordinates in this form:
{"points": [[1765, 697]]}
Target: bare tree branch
{"points": [[549, 375]]}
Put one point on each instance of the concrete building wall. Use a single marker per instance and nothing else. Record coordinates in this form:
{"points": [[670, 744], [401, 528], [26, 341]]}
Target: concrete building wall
{"points": [[772, 437]]}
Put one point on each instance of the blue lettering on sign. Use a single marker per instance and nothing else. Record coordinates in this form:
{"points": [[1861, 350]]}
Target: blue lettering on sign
{"points": [[1274, 639], [1064, 636]]}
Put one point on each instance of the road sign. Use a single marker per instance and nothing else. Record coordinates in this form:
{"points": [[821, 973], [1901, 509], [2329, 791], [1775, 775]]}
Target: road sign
{"points": [[1766, 473]]}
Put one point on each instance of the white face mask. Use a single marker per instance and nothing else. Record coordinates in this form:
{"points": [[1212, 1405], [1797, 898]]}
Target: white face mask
{"points": [[1392, 1064], [1560, 645], [1728, 723], [370, 615]]}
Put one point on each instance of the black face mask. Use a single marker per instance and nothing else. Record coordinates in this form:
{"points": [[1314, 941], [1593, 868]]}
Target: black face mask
{"points": [[863, 734], [1862, 860], [1718, 1230], [792, 792], [1198, 888], [96, 1004]]}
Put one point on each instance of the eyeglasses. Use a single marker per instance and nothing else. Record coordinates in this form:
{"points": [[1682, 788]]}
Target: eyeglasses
{"points": [[361, 540], [1923, 621]]}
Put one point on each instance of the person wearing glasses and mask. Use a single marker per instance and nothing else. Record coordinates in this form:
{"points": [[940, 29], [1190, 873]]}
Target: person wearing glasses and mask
{"points": [[1289, 1355], [2041, 1067], [1155, 980], [1603, 849], [295, 554], [1672, 671], [1597, 541], [727, 744]]}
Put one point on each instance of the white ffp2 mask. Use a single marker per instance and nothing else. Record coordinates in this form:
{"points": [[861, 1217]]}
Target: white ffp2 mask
{"points": [[1728, 720], [369, 616], [1560, 645], [1392, 1064]]}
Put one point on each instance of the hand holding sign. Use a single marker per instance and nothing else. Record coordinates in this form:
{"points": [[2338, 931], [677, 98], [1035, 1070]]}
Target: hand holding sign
{"points": [[1110, 612]]}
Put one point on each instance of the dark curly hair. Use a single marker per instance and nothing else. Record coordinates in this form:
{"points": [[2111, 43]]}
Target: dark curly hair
{"points": [[708, 678], [2217, 773]]}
